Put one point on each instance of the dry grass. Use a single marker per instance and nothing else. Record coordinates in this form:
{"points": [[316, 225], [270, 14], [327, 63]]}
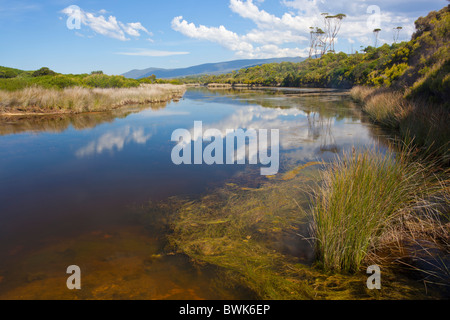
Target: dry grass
{"points": [[78, 100], [383, 107], [418, 122]]}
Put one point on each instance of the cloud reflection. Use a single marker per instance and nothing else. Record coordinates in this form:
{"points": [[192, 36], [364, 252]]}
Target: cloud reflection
{"points": [[114, 141]]}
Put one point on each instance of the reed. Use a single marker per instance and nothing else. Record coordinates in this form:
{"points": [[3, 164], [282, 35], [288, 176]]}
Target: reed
{"points": [[77, 99], [362, 197]]}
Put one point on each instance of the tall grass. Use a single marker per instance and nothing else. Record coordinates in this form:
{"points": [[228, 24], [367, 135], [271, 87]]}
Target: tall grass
{"points": [[417, 121], [77, 99], [363, 196]]}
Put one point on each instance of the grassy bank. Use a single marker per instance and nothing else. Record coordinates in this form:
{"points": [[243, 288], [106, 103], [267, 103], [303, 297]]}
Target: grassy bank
{"points": [[416, 121], [77, 99]]}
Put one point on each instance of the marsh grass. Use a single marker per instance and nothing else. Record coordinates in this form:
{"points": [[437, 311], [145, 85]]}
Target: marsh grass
{"points": [[417, 121], [364, 196], [77, 100]]}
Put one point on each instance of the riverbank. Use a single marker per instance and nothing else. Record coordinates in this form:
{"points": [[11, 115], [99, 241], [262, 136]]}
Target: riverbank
{"points": [[415, 121], [41, 101]]}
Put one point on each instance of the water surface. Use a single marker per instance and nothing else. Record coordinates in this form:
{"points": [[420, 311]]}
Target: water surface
{"points": [[68, 186]]}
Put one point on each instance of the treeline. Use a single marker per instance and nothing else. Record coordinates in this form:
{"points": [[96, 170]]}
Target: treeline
{"points": [[375, 66], [15, 79], [420, 66]]}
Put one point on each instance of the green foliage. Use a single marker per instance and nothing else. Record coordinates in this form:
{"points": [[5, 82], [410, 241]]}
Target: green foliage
{"points": [[336, 70], [14, 79], [7, 73], [43, 72], [430, 56]]}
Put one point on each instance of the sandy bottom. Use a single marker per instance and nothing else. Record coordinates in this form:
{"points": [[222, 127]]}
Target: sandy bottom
{"points": [[124, 263]]}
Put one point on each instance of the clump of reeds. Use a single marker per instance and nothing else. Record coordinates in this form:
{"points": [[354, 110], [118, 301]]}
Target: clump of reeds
{"points": [[362, 197], [417, 121], [360, 93], [77, 99]]}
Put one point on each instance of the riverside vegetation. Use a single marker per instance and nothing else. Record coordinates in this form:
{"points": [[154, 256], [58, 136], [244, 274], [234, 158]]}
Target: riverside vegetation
{"points": [[45, 91], [365, 208]]}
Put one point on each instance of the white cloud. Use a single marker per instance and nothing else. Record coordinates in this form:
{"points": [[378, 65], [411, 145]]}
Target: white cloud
{"points": [[242, 45], [288, 35], [109, 27]]}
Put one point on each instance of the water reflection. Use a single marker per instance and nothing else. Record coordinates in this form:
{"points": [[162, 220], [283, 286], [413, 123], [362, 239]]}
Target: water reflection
{"points": [[60, 123], [114, 140], [66, 178]]}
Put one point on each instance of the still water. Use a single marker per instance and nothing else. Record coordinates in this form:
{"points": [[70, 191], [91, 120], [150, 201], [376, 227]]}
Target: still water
{"points": [[68, 186]]}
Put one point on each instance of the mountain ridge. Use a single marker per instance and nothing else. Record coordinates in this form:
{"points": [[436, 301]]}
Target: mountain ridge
{"points": [[206, 68]]}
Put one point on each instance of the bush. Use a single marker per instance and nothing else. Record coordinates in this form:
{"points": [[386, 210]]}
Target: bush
{"points": [[43, 72]]}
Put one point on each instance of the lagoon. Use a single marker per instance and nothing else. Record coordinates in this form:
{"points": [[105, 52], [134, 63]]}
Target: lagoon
{"points": [[73, 187]]}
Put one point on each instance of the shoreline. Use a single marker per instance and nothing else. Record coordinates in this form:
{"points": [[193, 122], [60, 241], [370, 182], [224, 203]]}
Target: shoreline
{"points": [[78, 100]]}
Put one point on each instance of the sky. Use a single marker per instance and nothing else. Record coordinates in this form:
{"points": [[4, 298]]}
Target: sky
{"points": [[71, 36]]}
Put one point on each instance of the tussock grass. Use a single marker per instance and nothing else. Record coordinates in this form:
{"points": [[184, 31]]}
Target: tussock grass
{"points": [[383, 107], [77, 100], [418, 122], [360, 93], [386, 109], [364, 196]]}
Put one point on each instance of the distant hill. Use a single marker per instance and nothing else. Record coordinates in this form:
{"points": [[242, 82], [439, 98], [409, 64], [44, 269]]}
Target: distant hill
{"points": [[208, 68], [6, 72]]}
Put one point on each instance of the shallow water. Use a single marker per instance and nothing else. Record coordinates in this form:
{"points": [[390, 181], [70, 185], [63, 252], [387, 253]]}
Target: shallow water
{"points": [[68, 185]]}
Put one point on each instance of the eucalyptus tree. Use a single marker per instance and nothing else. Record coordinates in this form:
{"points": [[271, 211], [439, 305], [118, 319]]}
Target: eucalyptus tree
{"points": [[397, 33], [376, 33]]}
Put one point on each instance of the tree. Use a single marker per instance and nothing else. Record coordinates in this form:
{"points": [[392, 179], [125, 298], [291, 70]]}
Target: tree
{"points": [[334, 26], [43, 72], [397, 33], [326, 40], [376, 32], [317, 41]]}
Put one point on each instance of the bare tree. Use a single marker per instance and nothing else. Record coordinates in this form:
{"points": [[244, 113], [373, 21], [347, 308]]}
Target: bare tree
{"points": [[313, 40], [325, 40], [376, 32], [333, 27], [397, 33], [317, 41]]}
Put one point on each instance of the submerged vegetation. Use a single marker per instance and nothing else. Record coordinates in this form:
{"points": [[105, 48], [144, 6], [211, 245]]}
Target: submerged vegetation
{"points": [[296, 237]]}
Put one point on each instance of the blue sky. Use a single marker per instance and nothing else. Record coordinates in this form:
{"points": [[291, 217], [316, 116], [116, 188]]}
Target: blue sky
{"points": [[115, 36]]}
